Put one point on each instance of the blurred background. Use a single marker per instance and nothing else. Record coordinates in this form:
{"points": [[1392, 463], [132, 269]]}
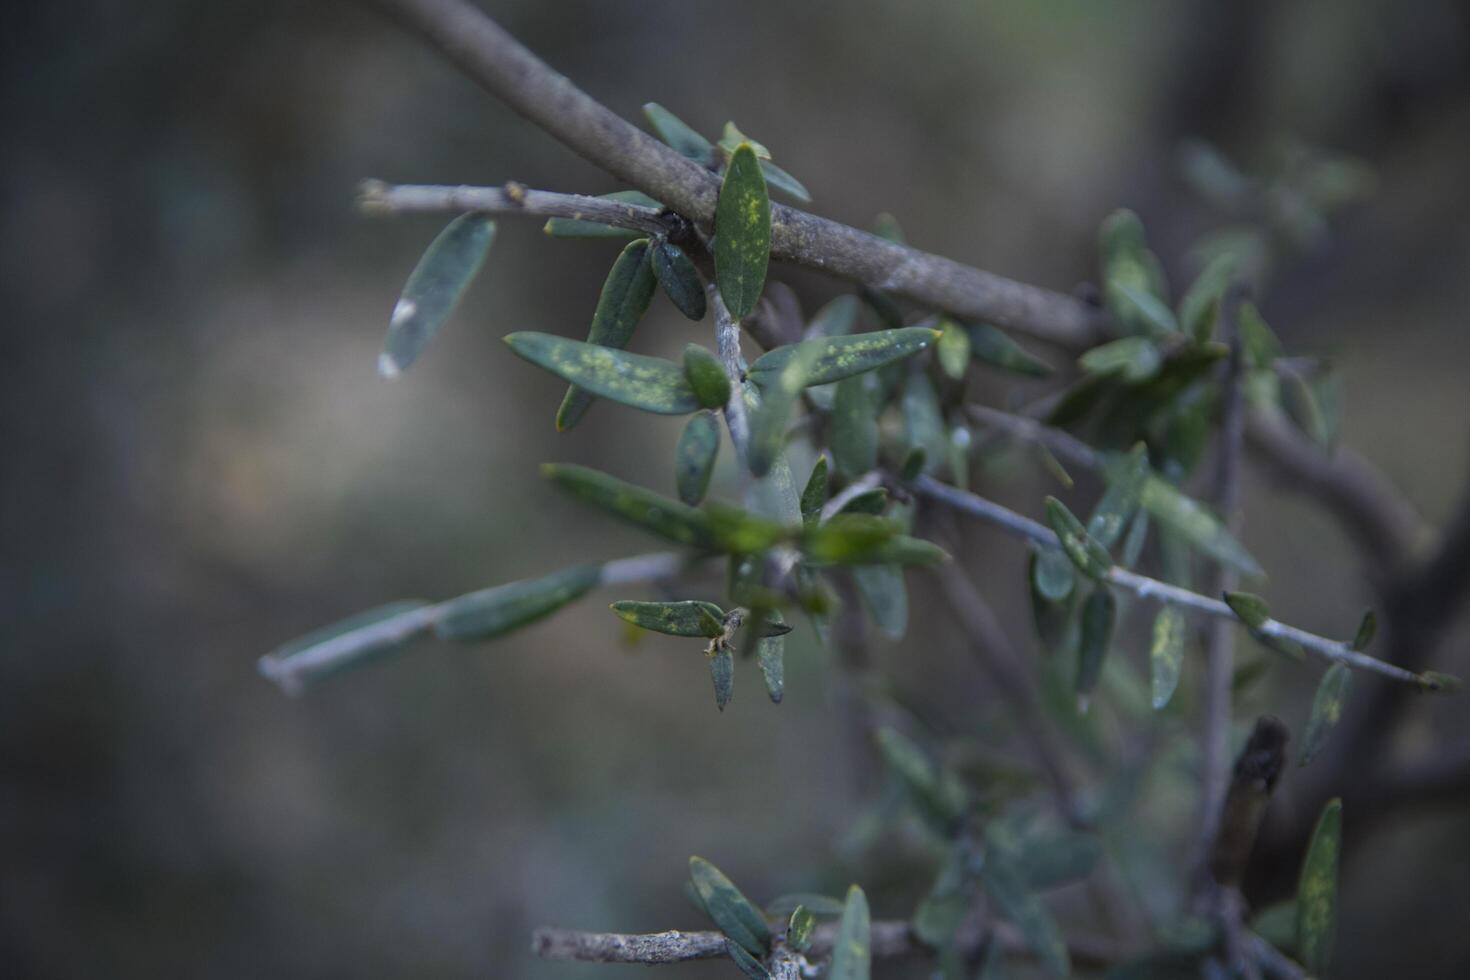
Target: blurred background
{"points": [[200, 461]]}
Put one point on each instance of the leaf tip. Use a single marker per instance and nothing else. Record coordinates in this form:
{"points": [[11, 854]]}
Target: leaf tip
{"points": [[388, 368]]}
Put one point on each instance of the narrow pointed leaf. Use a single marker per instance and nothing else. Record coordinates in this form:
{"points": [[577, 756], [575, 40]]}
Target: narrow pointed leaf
{"points": [[923, 420], [1367, 629], [651, 384], [642, 508], [938, 796], [815, 493], [722, 673], [495, 612], [706, 377], [1006, 886], [1133, 359], [742, 233], [688, 618], [855, 409], [785, 183], [679, 279], [873, 501], [353, 642], [433, 290], [991, 345], [1126, 477], [768, 423], [885, 595], [1327, 705], [1052, 574], [799, 929], [770, 653], [1091, 558], [1316, 895], [626, 293], [732, 137], [1147, 309], [852, 949], [695, 455], [1199, 307], [679, 135], [1204, 532], [953, 349], [749, 965], [731, 911], [835, 358], [578, 228], [1166, 654], [1251, 609], [1098, 614]]}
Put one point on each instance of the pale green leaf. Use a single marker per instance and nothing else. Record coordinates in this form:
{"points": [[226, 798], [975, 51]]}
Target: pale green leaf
{"points": [[651, 384], [433, 290]]}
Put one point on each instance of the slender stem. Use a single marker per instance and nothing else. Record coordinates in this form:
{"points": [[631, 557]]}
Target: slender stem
{"points": [[378, 198], [870, 480], [1149, 588], [727, 343], [294, 672], [1220, 654]]}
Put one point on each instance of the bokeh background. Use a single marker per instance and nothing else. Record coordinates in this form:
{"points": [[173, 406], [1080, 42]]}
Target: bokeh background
{"points": [[199, 461]]}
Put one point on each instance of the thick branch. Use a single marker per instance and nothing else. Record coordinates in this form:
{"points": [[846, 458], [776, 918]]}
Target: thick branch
{"points": [[508, 70], [1148, 588]]}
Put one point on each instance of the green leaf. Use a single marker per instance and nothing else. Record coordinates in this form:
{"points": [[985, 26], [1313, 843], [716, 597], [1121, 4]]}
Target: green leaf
{"points": [[1367, 629], [433, 290], [913, 464], [578, 228], [749, 965], [873, 501], [1277, 925], [1053, 575], [1147, 309], [865, 539], [852, 953], [1200, 306], [1249, 608], [815, 493], [829, 359], [1316, 894], [1302, 407], [1098, 615], [731, 911], [785, 183], [706, 377], [799, 929], [993, 346], [1166, 654], [731, 139], [680, 280], [836, 319], [1133, 359], [495, 612], [625, 296], [886, 227], [770, 653], [812, 902], [648, 383], [690, 617], [1326, 710], [1196, 524], [942, 911], [679, 135], [923, 419], [939, 796], [1090, 557], [953, 349], [1259, 344], [1006, 886], [779, 394], [1058, 858], [352, 642], [1440, 683], [642, 508], [1126, 476], [694, 456], [885, 595], [855, 409], [739, 531], [742, 233], [722, 673]]}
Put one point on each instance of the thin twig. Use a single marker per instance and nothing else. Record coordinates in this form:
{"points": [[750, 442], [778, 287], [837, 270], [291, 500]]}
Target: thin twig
{"points": [[889, 939], [1148, 588], [727, 343], [1220, 654], [294, 673], [378, 198]]}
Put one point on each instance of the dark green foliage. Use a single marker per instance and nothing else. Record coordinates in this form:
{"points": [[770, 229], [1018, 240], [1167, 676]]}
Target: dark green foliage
{"points": [[494, 612], [742, 234], [687, 618], [852, 953], [1327, 706], [1090, 557], [433, 290], [731, 911], [625, 297], [706, 377], [694, 457], [1316, 895], [679, 279]]}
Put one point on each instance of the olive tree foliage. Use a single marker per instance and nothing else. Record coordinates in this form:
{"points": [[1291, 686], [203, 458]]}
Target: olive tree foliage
{"points": [[860, 441]]}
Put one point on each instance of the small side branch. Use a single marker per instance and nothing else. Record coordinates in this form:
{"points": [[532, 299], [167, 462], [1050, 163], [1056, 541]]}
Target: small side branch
{"points": [[378, 198], [1149, 588]]}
